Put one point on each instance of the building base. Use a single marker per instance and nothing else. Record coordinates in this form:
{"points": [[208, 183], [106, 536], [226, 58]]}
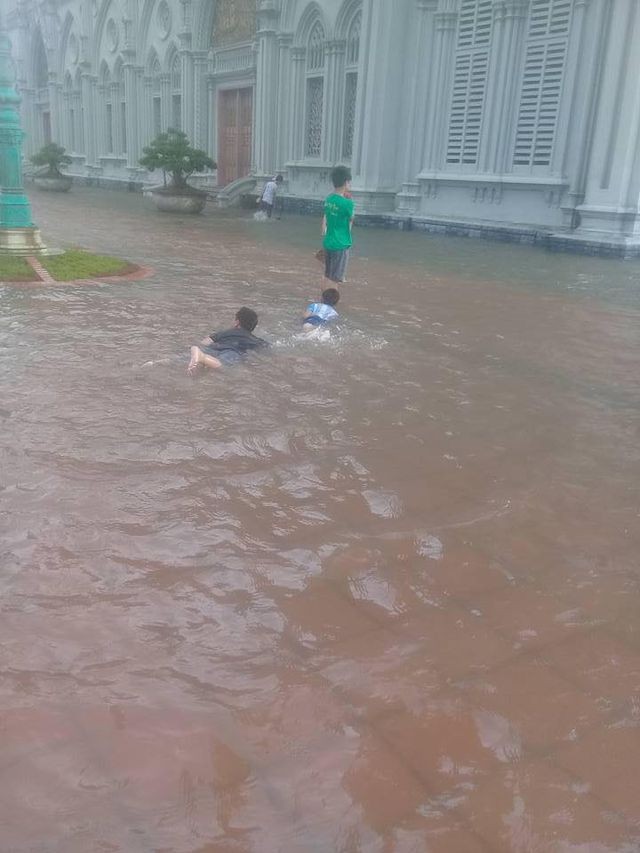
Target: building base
{"points": [[602, 244]]}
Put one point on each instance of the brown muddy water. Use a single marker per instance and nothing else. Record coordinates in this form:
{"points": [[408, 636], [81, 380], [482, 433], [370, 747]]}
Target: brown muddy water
{"points": [[373, 595]]}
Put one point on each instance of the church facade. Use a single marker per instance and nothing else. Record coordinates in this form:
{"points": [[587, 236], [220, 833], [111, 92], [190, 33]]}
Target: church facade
{"points": [[521, 116]]}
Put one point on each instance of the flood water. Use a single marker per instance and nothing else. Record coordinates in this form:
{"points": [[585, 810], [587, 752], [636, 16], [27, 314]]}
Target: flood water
{"points": [[373, 595]]}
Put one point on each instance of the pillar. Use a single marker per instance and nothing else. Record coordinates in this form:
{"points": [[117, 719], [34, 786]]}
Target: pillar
{"points": [[501, 102], [381, 109], [165, 100], [610, 210], [333, 100], [200, 111], [88, 87], [585, 57], [445, 20], [132, 76], [296, 103], [284, 88], [266, 90], [420, 102]]}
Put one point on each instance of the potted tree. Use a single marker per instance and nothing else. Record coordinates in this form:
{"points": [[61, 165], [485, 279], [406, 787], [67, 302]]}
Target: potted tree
{"points": [[50, 158], [175, 156]]}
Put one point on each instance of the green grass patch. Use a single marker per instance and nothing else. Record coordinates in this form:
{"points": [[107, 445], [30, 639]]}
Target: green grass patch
{"points": [[15, 269], [77, 264]]}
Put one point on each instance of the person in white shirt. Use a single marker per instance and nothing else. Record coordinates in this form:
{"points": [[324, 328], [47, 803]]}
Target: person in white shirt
{"points": [[321, 313], [269, 193]]}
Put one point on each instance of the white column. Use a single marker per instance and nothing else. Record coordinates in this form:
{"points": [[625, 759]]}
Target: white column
{"points": [[500, 113], [284, 88], [146, 127], [132, 112], [88, 88], [165, 100], [28, 119], [296, 103], [264, 136], [445, 20], [612, 191], [420, 102], [376, 164], [200, 111], [333, 100], [101, 121], [55, 108], [585, 55]]}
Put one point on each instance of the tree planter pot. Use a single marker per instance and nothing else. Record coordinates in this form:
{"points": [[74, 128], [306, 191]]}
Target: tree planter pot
{"points": [[192, 201], [53, 183]]}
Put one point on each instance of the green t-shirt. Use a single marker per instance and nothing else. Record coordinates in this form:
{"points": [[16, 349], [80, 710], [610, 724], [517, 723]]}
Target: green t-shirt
{"points": [[338, 212]]}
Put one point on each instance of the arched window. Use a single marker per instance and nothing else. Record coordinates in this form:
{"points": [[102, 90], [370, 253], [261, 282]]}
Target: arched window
{"points": [[351, 85], [315, 91], [176, 92], [156, 97]]}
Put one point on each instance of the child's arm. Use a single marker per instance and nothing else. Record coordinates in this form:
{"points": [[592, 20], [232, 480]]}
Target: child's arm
{"points": [[324, 226]]}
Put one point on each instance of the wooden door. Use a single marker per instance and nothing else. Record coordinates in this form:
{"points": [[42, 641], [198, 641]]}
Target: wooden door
{"points": [[235, 131]]}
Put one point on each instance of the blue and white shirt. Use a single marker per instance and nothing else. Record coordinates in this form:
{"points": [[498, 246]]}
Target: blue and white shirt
{"points": [[321, 314]]}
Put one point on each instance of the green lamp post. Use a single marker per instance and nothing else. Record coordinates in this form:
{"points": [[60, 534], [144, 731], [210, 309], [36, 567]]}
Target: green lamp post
{"points": [[18, 234]]}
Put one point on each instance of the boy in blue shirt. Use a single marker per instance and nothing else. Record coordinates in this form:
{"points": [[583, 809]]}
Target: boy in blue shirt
{"points": [[322, 313]]}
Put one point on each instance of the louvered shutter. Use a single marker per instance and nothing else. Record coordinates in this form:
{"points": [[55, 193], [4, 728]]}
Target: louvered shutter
{"points": [[469, 82], [544, 65]]}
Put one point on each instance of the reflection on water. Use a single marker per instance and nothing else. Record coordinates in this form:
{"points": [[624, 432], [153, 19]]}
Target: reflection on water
{"points": [[372, 593]]}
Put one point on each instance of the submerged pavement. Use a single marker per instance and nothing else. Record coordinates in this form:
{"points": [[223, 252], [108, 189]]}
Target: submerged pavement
{"points": [[376, 594]]}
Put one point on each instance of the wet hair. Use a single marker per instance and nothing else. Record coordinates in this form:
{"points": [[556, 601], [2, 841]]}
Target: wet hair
{"points": [[247, 318], [330, 296], [279, 179], [340, 175]]}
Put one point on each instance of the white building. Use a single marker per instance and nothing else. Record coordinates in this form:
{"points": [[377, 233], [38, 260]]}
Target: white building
{"points": [[520, 117]]}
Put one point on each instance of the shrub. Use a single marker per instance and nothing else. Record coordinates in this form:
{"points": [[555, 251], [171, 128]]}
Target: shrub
{"points": [[173, 153], [52, 157]]}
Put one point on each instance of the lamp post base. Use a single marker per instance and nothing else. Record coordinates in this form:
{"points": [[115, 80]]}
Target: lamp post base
{"points": [[22, 241]]}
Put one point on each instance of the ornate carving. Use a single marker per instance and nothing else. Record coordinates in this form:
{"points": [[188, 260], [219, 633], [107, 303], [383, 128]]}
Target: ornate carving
{"points": [[112, 35], [235, 21], [163, 18], [74, 49]]}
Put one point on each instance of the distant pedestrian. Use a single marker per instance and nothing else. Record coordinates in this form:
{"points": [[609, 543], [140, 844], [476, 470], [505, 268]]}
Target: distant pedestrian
{"points": [[269, 194], [337, 224]]}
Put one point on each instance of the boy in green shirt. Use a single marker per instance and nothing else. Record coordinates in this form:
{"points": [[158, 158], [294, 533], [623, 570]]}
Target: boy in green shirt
{"points": [[336, 225]]}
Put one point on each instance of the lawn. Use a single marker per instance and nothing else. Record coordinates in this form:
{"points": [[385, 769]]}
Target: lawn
{"points": [[15, 269], [76, 264]]}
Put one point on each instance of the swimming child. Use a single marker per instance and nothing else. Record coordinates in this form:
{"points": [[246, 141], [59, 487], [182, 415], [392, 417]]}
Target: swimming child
{"points": [[222, 349], [322, 313]]}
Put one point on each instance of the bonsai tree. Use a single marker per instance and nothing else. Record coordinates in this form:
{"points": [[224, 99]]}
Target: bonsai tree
{"points": [[52, 157], [173, 153]]}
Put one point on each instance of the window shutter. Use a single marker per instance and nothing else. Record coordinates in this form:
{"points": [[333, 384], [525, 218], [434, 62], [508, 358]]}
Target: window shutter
{"points": [[545, 59], [469, 82]]}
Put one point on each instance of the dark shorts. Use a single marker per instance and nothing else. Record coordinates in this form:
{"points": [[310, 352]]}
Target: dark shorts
{"points": [[267, 208], [227, 357], [335, 265]]}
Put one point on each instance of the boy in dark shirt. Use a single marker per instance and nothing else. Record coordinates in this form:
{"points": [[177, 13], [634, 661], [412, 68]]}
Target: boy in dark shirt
{"points": [[230, 346]]}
